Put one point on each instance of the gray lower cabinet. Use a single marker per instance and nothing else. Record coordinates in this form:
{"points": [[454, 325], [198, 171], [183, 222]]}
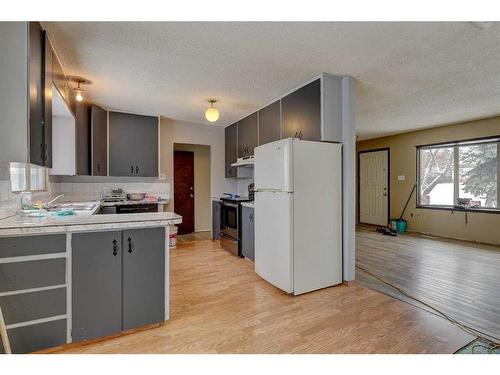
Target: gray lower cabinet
{"points": [[118, 281], [133, 146], [143, 288], [96, 284], [248, 233], [301, 112], [215, 220]]}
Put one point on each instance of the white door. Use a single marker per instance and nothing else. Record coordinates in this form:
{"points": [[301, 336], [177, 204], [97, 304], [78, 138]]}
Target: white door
{"points": [[273, 166], [273, 238], [373, 188]]}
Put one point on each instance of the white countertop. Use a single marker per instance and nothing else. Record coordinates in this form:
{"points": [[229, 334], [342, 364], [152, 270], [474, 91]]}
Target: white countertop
{"points": [[84, 221], [248, 204], [127, 202]]}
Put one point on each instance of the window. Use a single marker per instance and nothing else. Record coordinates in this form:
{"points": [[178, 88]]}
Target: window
{"points": [[459, 175]]}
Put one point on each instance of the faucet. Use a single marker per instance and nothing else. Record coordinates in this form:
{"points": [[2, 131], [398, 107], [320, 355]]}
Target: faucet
{"points": [[53, 200]]}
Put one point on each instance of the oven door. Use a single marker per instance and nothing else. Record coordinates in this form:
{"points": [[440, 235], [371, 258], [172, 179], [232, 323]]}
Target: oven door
{"points": [[229, 219]]}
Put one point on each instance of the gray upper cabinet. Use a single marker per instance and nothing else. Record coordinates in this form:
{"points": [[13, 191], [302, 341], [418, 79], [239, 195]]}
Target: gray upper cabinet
{"points": [[143, 277], [97, 285], [247, 135], [38, 147], [231, 149], [47, 86], [83, 157], [270, 123], [99, 131], [133, 146], [301, 112], [248, 233]]}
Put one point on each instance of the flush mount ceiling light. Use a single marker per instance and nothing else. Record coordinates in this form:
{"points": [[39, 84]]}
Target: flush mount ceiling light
{"points": [[78, 90], [211, 114]]}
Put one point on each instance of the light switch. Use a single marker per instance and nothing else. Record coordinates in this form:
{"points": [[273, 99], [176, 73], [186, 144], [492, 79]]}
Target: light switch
{"points": [[401, 177], [162, 177]]}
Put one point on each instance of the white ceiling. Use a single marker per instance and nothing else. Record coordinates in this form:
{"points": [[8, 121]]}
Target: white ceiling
{"points": [[409, 75]]}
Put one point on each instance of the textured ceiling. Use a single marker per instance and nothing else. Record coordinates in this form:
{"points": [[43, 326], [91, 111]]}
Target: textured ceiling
{"points": [[409, 75]]}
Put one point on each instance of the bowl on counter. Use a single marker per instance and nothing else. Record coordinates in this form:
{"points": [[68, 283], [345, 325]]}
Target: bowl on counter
{"points": [[136, 196]]}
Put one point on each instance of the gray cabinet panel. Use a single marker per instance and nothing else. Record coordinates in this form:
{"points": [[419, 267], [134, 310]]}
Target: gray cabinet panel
{"points": [[247, 135], [147, 146], [215, 220], [231, 148], [97, 284], [99, 131], [248, 233], [32, 274], [133, 148], [301, 112], [83, 143], [25, 307], [47, 84], [32, 245], [36, 93], [270, 123], [35, 337], [143, 277]]}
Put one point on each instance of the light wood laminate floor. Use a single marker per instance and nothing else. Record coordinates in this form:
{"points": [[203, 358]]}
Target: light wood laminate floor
{"points": [[219, 305], [460, 278]]}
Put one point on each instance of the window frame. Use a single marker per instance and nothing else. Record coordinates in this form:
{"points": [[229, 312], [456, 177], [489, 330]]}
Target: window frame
{"points": [[456, 145]]}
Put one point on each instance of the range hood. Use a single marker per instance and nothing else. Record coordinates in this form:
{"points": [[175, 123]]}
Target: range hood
{"points": [[244, 162]]}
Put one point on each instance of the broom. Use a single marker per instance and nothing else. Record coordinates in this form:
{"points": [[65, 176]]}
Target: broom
{"points": [[3, 335]]}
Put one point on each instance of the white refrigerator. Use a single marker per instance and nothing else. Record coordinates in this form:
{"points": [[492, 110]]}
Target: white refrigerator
{"points": [[298, 214]]}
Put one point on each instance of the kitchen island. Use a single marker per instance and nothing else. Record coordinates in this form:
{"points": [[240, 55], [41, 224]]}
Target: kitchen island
{"points": [[74, 278]]}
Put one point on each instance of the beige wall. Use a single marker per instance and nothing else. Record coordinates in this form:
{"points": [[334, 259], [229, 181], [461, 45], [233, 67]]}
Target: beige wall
{"points": [[202, 201], [481, 227], [172, 132]]}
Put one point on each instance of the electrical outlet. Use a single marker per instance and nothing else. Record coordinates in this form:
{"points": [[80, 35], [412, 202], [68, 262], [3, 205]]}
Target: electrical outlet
{"points": [[401, 177], [162, 177]]}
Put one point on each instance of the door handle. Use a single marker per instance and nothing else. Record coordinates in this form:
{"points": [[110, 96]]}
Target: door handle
{"points": [[130, 245], [384, 194], [191, 195], [115, 248]]}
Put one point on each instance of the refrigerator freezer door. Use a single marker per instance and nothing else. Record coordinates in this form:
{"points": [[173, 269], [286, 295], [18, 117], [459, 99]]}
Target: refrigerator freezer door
{"points": [[273, 166], [273, 238]]}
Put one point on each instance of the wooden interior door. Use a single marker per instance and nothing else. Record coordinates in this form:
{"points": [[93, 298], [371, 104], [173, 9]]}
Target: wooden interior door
{"points": [[184, 189], [374, 187]]}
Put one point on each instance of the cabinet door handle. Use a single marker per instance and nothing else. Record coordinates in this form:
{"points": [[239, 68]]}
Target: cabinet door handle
{"points": [[136, 169], [115, 248], [300, 134], [251, 218], [130, 245], [131, 169], [98, 167]]}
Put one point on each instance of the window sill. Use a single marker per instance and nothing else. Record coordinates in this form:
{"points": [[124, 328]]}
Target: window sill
{"points": [[461, 209]]}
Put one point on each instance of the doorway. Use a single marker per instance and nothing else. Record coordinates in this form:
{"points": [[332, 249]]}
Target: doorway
{"points": [[192, 187], [373, 187]]}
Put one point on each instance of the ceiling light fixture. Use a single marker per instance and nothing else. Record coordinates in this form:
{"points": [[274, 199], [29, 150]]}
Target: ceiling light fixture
{"points": [[79, 91], [211, 114]]}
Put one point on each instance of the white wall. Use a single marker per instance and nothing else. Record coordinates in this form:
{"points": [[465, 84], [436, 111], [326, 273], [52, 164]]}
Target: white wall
{"points": [[63, 146], [172, 131]]}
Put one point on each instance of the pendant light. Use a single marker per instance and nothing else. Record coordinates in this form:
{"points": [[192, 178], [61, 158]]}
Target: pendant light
{"points": [[212, 114], [79, 92]]}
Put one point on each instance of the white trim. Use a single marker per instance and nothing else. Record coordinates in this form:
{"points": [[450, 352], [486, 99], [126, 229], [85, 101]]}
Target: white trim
{"points": [[69, 312], [32, 290], [159, 146], [36, 321], [29, 258]]}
